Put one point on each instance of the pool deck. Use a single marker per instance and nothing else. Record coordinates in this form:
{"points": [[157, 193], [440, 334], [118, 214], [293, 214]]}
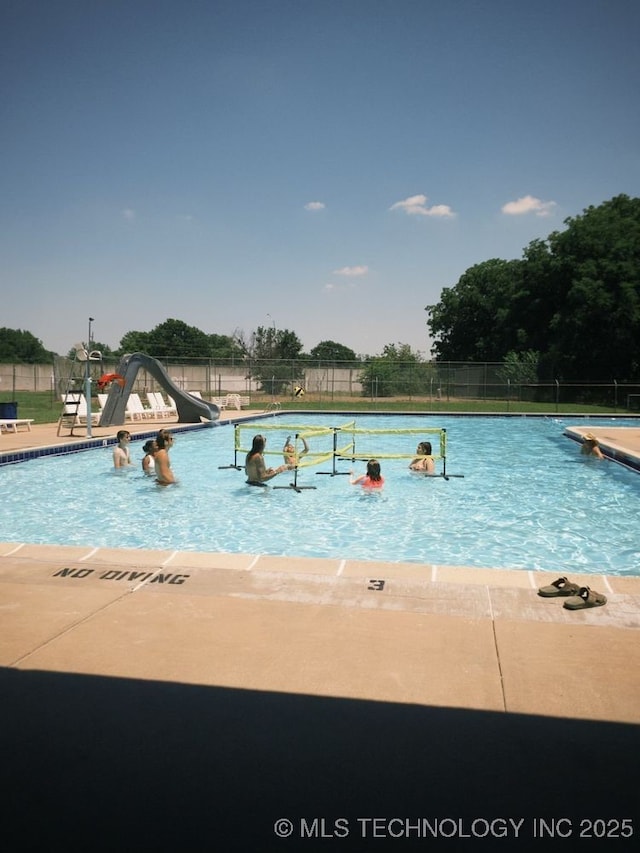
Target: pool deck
{"points": [[183, 698]]}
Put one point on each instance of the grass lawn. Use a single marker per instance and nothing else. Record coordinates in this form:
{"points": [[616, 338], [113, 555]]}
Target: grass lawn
{"points": [[44, 407]]}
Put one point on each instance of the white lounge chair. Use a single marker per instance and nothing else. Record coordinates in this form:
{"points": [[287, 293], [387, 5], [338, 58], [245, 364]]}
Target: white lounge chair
{"points": [[234, 401], [159, 407], [13, 424], [137, 410], [74, 412]]}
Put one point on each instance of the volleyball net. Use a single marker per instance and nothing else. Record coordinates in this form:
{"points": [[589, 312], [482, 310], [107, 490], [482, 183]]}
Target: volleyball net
{"points": [[318, 446], [384, 443]]}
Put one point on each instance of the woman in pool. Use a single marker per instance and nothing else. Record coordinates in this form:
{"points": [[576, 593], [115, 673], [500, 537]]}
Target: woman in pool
{"points": [[423, 461], [164, 474], [148, 462], [373, 479], [255, 467]]}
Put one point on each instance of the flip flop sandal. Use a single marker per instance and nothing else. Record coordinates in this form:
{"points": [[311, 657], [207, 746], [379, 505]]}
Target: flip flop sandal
{"points": [[585, 598], [561, 586]]}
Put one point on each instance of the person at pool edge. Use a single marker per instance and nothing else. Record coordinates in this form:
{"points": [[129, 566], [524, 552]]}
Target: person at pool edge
{"points": [[373, 479], [164, 474], [121, 455], [423, 460], [292, 458], [255, 467], [590, 446]]}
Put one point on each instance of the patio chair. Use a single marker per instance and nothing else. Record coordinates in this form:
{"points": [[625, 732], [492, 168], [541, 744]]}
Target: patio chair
{"points": [[234, 401], [159, 407], [13, 424], [74, 412], [137, 410]]}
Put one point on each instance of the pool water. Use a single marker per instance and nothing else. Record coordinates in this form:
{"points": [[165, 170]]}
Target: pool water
{"points": [[521, 496]]}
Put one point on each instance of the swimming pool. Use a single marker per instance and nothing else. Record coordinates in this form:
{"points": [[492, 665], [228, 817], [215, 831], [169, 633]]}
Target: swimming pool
{"points": [[526, 499]]}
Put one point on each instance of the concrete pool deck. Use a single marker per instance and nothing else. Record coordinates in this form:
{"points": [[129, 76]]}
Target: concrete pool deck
{"points": [[298, 689]]}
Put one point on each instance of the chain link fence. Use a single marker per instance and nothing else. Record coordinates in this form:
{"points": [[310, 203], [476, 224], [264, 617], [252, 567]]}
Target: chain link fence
{"points": [[272, 380]]}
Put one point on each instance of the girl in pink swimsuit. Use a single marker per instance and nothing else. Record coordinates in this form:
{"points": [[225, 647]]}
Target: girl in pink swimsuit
{"points": [[373, 479]]}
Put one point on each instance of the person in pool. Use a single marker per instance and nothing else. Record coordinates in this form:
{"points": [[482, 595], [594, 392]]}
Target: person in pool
{"points": [[164, 474], [121, 455], [423, 460], [373, 479], [255, 467], [291, 458], [148, 462], [591, 447]]}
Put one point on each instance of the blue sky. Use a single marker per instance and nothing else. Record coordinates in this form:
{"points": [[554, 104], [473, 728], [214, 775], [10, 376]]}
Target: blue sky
{"points": [[325, 167]]}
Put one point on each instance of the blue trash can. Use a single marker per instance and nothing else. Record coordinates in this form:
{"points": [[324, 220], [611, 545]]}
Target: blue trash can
{"points": [[8, 411]]}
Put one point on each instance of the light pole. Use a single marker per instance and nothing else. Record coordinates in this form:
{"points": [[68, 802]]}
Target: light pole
{"points": [[272, 344], [87, 380], [272, 335], [333, 373]]}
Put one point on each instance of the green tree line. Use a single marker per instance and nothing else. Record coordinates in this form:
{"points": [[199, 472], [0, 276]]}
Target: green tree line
{"points": [[274, 357], [570, 306]]}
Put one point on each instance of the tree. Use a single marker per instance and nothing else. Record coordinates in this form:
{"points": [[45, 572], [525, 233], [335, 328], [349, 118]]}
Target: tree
{"points": [[134, 342], [18, 347], [175, 339], [471, 321], [274, 359], [224, 346], [574, 298], [520, 369], [330, 351], [597, 334], [397, 372]]}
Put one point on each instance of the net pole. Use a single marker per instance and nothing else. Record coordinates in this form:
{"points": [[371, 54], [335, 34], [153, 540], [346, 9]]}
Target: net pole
{"points": [[236, 446], [295, 485]]}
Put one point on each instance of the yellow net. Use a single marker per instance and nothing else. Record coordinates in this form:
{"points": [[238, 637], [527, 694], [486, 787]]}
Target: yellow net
{"points": [[314, 445]]}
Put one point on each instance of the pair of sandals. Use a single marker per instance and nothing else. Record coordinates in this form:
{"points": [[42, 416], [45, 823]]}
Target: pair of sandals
{"points": [[578, 597]]}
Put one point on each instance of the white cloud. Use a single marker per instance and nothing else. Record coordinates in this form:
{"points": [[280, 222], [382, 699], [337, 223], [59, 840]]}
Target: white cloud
{"points": [[352, 271], [440, 210], [314, 205], [528, 204], [416, 205], [128, 214]]}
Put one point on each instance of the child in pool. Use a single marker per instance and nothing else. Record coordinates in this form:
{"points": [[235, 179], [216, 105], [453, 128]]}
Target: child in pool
{"points": [[373, 479], [121, 455], [148, 462], [291, 458]]}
